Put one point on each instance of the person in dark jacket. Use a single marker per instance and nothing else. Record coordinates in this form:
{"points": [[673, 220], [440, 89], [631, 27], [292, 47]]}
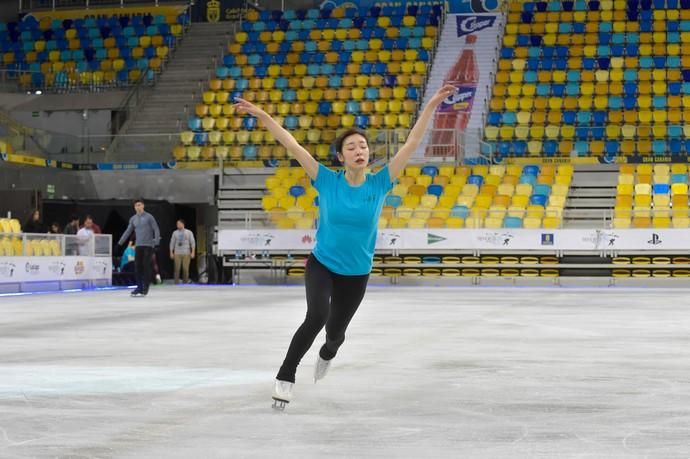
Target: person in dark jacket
{"points": [[147, 238], [34, 224]]}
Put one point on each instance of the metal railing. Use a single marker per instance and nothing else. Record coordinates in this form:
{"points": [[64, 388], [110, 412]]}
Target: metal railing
{"points": [[57, 245], [453, 145]]}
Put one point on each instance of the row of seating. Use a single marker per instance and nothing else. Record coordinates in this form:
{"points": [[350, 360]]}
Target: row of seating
{"points": [[14, 247], [618, 81], [609, 148], [322, 101], [307, 86], [87, 52], [249, 152], [568, 132], [614, 109], [271, 17], [584, 84], [595, 5], [115, 22], [237, 63], [369, 38], [10, 226], [437, 197], [322, 81], [652, 196], [315, 69]]}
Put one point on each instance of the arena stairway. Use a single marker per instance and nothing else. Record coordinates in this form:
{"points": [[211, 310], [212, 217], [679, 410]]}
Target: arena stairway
{"points": [[176, 90]]}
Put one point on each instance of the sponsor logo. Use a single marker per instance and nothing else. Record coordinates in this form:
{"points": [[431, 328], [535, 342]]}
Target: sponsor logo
{"points": [[32, 268], [470, 24], [547, 239], [387, 239], [601, 238], [100, 267], [307, 239], [655, 240], [261, 239], [460, 101], [57, 267], [79, 268], [7, 269], [434, 238], [497, 239]]}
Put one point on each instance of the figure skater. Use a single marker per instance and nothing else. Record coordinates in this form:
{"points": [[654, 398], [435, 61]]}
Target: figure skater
{"points": [[350, 203]]}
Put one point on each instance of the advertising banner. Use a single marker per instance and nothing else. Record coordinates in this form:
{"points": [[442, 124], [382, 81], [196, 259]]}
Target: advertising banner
{"points": [[47, 269], [473, 239]]}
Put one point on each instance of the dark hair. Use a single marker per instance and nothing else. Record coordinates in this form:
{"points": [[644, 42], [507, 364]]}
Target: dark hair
{"points": [[341, 138], [73, 217], [88, 217], [181, 221], [141, 200]]}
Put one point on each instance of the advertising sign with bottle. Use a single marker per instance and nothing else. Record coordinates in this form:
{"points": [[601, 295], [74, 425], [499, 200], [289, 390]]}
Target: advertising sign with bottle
{"points": [[463, 37]]}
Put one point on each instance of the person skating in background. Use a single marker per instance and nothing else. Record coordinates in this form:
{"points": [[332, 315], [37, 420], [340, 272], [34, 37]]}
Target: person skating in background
{"points": [[147, 238]]}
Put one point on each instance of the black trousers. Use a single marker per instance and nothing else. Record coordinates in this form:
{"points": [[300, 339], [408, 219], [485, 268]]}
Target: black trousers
{"points": [[332, 300], [142, 266]]}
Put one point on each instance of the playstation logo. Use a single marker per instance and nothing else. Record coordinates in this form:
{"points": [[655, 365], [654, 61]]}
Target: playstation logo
{"points": [[655, 240]]}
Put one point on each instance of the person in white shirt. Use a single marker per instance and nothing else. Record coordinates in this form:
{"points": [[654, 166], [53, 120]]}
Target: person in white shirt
{"points": [[85, 237]]}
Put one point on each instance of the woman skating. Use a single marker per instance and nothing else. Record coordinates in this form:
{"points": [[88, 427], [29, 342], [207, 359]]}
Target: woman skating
{"points": [[350, 203]]}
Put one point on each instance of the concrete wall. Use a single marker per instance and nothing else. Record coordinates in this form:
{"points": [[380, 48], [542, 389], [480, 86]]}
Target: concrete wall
{"points": [[65, 130], [179, 187], [52, 102]]}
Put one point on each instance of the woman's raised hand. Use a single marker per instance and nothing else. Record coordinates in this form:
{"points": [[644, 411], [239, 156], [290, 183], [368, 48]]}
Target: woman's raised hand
{"points": [[442, 94], [244, 106]]}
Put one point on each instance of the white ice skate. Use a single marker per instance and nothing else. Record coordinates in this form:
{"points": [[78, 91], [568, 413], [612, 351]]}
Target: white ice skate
{"points": [[321, 368], [282, 394]]}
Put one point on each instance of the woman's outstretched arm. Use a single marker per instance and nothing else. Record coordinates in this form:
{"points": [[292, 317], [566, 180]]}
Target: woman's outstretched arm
{"points": [[397, 164], [282, 135]]}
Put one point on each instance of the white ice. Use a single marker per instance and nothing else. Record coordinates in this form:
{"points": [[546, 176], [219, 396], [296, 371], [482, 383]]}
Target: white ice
{"points": [[424, 372]]}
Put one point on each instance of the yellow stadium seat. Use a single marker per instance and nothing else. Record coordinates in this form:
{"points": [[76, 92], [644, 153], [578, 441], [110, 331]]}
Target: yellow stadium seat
{"points": [[681, 222], [661, 222], [531, 222], [621, 222]]}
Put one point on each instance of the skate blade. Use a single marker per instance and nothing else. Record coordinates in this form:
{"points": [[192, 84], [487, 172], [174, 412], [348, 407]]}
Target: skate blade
{"points": [[279, 405]]}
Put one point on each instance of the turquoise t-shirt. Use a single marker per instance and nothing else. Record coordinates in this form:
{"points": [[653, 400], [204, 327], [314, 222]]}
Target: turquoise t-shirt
{"points": [[348, 220]]}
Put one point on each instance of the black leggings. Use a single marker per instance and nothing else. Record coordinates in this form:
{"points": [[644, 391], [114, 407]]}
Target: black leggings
{"points": [[142, 267], [332, 300]]}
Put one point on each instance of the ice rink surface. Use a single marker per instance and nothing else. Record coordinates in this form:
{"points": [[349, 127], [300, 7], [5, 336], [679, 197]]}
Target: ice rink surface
{"points": [[424, 373]]}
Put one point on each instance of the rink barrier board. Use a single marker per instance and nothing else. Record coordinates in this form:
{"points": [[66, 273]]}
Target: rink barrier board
{"points": [[506, 240], [24, 274]]}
